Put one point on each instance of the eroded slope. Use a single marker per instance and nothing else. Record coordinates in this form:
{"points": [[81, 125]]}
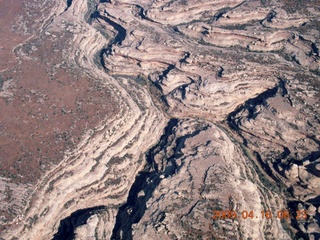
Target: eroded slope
{"points": [[239, 81]]}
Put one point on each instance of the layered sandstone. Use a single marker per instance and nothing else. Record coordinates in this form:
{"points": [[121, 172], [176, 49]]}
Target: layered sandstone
{"points": [[182, 108]]}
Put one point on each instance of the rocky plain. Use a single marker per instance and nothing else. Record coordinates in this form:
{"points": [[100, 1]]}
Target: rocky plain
{"points": [[127, 119]]}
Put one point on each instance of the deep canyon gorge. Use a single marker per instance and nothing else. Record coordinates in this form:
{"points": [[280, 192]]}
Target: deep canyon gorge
{"points": [[128, 119]]}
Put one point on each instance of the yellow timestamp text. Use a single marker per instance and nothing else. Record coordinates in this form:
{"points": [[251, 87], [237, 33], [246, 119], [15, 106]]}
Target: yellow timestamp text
{"points": [[268, 214]]}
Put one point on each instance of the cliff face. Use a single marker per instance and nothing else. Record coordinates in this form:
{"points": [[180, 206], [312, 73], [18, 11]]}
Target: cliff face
{"points": [[141, 120]]}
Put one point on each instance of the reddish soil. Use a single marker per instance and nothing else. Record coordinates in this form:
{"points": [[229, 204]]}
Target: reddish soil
{"points": [[9, 10], [49, 105]]}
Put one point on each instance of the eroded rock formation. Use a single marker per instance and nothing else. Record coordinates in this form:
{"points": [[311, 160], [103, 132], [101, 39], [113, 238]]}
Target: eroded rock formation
{"points": [[179, 108]]}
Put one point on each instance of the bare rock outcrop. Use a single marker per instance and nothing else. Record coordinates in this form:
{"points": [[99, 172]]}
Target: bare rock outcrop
{"points": [[210, 174], [184, 107]]}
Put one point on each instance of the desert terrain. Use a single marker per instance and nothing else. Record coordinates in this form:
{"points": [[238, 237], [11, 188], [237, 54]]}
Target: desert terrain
{"points": [[127, 119]]}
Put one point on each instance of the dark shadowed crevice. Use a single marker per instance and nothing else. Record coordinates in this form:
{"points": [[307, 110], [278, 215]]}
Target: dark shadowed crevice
{"points": [[165, 72], [69, 3], [220, 72], [250, 106], [149, 179], [185, 57], [68, 225], [121, 35], [142, 14], [296, 220]]}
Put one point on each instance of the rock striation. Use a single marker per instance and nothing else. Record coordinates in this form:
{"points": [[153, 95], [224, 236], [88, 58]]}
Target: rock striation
{"points": [[199, 106]]}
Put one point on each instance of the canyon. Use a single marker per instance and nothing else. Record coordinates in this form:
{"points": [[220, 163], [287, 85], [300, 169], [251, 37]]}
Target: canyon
{"points": [[127, 119]]}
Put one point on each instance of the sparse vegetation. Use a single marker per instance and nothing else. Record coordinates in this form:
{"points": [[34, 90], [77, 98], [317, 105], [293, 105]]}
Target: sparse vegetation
{"points": [[59, 96], [1, 83], [141, 79]]}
